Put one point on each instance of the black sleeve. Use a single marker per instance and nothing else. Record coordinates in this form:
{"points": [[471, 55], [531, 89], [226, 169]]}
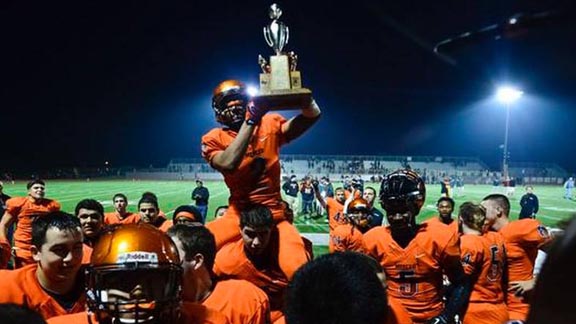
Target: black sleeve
{"points": [[460, 294]]}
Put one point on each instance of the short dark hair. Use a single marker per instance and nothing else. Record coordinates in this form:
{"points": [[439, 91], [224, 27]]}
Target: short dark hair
{"points": [[189, 209], [371, 188], [347, 285], [256, 216], [501, 200], [218, 209], [90, 204], [195, 239], [121, 195], [17, 314], [448, 199], [58, 219], [147, 199], [33, 182]]}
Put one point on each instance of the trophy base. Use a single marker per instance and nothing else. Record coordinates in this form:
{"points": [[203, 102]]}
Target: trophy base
{"points": [[288, 99]]}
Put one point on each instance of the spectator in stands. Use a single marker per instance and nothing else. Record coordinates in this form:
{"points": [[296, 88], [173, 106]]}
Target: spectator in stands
{"points": [[23, 210], [246, 151], [529, 204], [568, 186], [201, 195], [52, 286], [120, 215], [91, 215], [291, 189]]}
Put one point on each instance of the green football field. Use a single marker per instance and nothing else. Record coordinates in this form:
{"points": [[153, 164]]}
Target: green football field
{"points": [[171, 194]]}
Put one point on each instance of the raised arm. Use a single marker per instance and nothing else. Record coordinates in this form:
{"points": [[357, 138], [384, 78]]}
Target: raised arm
{"points": [[299, 124]]}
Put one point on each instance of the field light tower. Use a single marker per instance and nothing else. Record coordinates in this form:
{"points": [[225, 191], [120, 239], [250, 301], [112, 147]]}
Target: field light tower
{"points": [[507, 95]]}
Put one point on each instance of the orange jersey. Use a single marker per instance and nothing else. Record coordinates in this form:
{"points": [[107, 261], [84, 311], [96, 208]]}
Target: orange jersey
{"points": [[194, 313], [24, 209], [257, 178], [414, 273], [335, 211], [115, 218], [21, 287], [191, 313], [523, 239], [232, 262], [86, 253], [240, 301], [397, 314], [346, 238], [483, 259], [436, 220]]}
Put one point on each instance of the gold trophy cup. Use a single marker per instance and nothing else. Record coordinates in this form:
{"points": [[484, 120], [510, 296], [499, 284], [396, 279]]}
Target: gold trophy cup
{"points": [[280, 82]]}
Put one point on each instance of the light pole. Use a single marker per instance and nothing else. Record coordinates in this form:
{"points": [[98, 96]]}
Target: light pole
{"points": [[507, 95]]}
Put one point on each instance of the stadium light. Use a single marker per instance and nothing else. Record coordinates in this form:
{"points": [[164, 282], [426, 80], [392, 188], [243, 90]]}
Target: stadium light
{"points": [[252, 90], [507, 95]]}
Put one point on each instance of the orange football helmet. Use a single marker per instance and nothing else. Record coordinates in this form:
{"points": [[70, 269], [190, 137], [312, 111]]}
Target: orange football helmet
{"points": [[359, 213], [229, 102], [134, 276]]}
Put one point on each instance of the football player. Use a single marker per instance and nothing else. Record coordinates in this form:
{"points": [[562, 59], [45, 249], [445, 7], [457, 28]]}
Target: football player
{"points": [[348, 237], [523, 238], [23, 211], [483, 258], [120, 214], [135, 276], [91, 215], [414, 257], [246, 150]]}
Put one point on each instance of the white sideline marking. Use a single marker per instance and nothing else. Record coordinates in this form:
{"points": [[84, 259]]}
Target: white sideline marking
{"points": [[317, 238]]}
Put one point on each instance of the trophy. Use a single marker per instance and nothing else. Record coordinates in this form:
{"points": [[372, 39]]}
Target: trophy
{"points": [[280, 82]]}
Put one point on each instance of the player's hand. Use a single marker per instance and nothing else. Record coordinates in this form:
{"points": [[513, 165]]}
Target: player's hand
{"points": [[522, 287], [255, 113]]}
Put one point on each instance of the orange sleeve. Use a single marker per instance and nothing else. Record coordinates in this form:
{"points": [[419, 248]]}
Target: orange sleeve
{"points": [[54, 206], [472, 254], [450, 250], [211, 145], [14, 205]]}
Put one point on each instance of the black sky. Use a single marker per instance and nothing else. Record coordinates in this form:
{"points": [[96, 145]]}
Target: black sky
{"points": [[130, 82]]}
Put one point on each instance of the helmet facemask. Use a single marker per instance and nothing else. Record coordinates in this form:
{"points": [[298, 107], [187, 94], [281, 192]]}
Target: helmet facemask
{"points": [[135, 293], [230, 107]]}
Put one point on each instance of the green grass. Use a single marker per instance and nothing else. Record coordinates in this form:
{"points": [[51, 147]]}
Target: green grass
{"points": [[171, 194]]}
